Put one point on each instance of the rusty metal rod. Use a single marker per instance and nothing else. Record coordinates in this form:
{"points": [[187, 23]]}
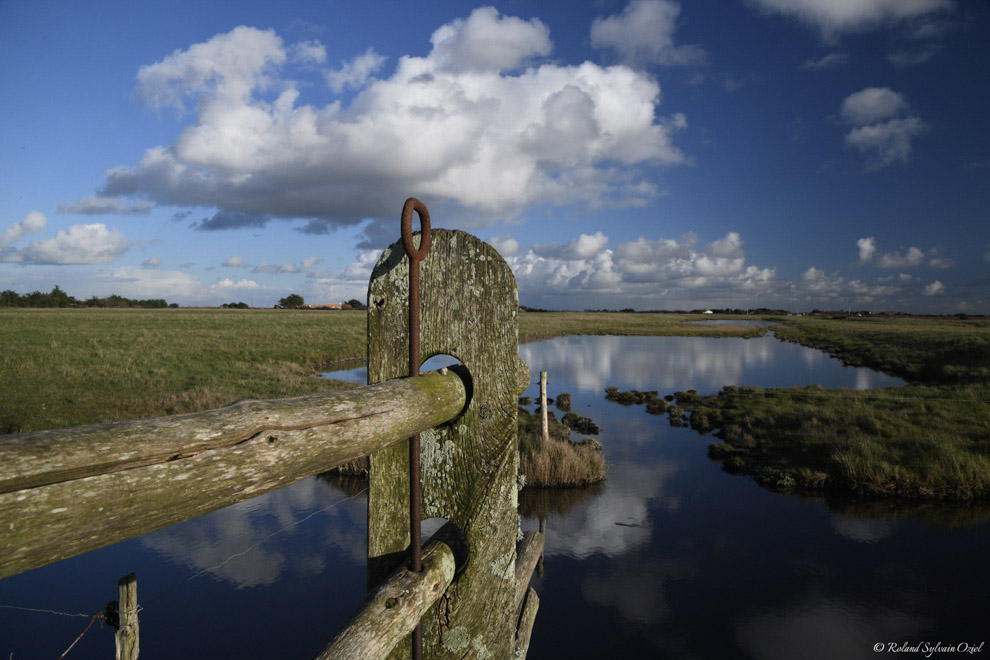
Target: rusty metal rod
{"points": [[415, 514]]}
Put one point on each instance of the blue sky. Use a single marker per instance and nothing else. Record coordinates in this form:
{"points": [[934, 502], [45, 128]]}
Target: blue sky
{"points": [[649, 154]]}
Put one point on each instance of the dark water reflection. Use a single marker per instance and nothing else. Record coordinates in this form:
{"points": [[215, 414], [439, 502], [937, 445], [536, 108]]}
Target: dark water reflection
{"points": [[671, 557]]}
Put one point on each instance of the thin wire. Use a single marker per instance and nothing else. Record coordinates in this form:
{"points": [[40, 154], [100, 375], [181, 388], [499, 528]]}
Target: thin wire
{"points": [[249, 549], [32, 609]]}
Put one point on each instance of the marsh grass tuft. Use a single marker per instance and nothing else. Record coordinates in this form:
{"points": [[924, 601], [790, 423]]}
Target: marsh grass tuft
{"points": [[559, 462]]}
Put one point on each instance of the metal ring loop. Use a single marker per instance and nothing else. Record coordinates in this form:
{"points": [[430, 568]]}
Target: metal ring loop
{"points": [[407, 235]]}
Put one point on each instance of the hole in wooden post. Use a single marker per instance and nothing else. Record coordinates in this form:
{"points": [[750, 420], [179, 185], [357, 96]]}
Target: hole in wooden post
{"points": [[443, 530], [445, 361]]}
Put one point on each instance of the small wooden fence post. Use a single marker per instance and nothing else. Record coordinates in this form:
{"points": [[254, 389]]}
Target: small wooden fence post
{"points": [[127, 637], [469, 465], [543, 406]]}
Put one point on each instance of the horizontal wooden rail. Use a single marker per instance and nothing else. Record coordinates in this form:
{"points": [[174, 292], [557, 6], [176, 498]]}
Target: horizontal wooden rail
{"points": [[69, 491], [392, 610]]}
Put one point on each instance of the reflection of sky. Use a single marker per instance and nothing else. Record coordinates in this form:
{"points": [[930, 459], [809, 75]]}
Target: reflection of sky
{"points": [[254, 543], [706, 364], [616, 521]]}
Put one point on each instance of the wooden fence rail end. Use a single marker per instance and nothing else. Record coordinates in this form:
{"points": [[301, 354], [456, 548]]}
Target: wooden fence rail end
{"points": [[527, 555], [392, 610], [526, 620]]}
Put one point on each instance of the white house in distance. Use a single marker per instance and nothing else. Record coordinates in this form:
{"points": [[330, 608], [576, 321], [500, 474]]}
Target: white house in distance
{"points": [[708, 311]]}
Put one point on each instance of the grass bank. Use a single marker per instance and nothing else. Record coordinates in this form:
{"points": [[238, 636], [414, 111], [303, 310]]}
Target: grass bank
{"points": [[924, 350]]}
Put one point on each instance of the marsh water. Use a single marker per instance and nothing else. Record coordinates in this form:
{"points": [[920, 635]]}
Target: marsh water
{"points": [[670, 557]]}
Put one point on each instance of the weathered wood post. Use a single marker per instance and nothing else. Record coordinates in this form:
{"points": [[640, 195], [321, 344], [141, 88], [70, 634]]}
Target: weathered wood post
{"points": [[543, 406], [469, 465], [127, 638]]}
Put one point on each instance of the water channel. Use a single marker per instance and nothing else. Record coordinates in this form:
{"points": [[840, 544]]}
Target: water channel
{"points": [[670, 558]]}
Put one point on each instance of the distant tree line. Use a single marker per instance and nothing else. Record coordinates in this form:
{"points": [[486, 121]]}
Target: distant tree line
{"points": [[295, 301], [59, 298], [236, 305]]}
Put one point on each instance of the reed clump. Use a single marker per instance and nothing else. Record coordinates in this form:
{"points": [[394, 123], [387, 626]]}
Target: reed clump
{"points": [[559, 462]]}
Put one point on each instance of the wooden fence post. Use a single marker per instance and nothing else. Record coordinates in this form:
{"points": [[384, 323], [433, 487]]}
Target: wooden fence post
{"points": [[543, 406], [127, 637], [469, 465]]}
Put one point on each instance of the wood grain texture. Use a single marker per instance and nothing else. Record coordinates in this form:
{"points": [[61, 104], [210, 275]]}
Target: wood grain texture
{"points": [[527, 556], [526, 620], [128, 639], [392, 610], [469, 308], [280, 443]]}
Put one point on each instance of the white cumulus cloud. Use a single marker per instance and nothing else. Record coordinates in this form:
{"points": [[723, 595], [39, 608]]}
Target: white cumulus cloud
{"points": [[913, 257], [644, 32], [463, 125], [227, 284], [878, 130], [33, 222], [234, 262], [835, 17], [355, 73], [151, 262], [505, 244], [485, 41], [584, 246], [933, 289], [79, 244], [867, 248], [229, 66], [872, 104], [357, 272]]}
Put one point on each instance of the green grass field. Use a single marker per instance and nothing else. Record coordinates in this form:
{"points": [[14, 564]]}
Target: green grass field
{"points": [[83, 366]]}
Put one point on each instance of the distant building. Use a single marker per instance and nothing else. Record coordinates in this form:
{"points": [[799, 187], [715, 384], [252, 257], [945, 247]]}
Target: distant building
{"points": [[327, 306], [708, 311]]}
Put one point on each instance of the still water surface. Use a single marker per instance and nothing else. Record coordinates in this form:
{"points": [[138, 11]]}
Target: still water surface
{"points": [[671, 558]]}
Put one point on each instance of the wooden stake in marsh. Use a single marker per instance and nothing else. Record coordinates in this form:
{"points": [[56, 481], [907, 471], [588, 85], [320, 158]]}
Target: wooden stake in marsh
{"points": [[469, 303], [127, 638]]}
